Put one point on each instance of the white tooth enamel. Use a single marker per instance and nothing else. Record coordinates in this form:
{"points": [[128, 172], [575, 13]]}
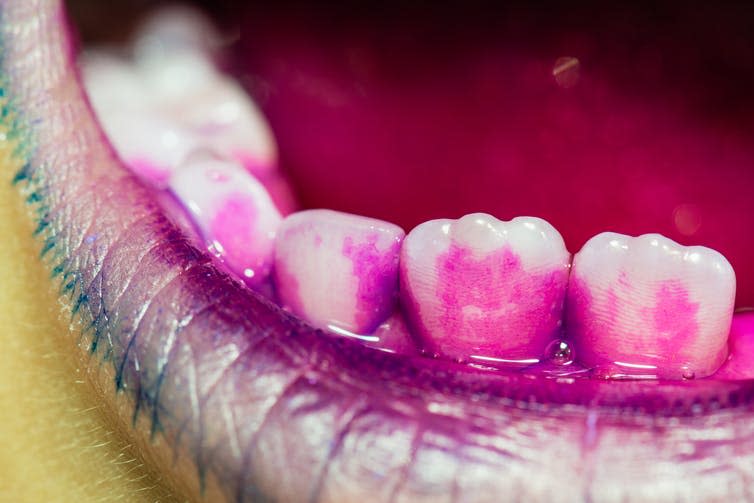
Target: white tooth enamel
{"points": [[624, 279], [177, 78], [151, 141], [176, 103], [228, 121], [536, 241], [175, 29], [110, 82]]}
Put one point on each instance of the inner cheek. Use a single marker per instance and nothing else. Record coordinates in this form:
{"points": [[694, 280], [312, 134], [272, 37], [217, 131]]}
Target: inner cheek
{"points": [[485, 127]]}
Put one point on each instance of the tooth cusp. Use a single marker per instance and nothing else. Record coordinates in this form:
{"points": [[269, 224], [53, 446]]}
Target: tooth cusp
{"points": [[338, 271], [649, 307], [481, 289]]}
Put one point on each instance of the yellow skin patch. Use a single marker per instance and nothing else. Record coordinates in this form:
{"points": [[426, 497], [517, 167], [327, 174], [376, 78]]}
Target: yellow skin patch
{"points": [[57, 442]]}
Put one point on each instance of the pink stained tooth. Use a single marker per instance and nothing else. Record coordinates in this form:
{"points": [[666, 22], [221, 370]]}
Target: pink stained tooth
{"points": [[338, 271], [480, 289], [647, 307], [233, 212]]}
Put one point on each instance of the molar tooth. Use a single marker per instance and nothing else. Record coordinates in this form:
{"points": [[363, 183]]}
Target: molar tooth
{"points": [[232, 210], [480, 288], [649, 306], [336, 270]]}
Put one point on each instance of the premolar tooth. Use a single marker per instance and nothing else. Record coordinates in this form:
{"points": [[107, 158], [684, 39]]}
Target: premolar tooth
{"points": [[151, 147], [233, 211], [480, 288], [177, 103], [338, 271], [649, 306]]}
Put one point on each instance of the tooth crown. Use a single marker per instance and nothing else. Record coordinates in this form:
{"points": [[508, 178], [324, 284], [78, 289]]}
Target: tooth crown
{"points": [[650, 306], [233, 212], [177, 104], [338, 270], [480, 288]]}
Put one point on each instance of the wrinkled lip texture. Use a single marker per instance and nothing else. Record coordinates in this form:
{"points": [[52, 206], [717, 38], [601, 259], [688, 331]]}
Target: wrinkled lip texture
{"points": [[259, 406]]}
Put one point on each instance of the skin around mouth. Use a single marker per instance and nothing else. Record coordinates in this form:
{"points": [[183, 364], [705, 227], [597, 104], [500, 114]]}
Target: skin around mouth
{"points": [[256, 405]]}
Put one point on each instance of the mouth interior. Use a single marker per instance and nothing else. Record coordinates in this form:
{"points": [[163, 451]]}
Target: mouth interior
{"points": [[445, 116], [496, 126]]}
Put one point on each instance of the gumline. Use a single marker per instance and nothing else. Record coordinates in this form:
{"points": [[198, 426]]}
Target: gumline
{"points": [[512, 387]]}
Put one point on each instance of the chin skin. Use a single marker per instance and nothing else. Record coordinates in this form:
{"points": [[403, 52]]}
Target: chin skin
{"points": [[58, 442]]}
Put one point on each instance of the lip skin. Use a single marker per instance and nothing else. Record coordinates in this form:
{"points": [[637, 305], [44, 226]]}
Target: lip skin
{"points": [[235, 400]]}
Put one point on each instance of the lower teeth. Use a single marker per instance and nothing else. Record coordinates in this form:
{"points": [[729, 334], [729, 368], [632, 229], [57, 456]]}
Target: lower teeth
{"points": [[498, 300]]}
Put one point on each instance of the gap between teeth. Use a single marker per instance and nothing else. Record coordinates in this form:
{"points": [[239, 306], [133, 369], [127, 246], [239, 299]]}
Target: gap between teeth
{"points": [[477, 289]]}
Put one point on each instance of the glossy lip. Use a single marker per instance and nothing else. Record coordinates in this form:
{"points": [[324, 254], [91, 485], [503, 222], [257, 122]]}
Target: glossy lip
{"points": [[218, 379]]}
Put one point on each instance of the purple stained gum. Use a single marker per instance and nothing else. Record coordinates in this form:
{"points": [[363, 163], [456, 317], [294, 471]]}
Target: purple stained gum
{"points": [[740, 361], [376, 272], [492, 283], [394, 336], [664, 340]]}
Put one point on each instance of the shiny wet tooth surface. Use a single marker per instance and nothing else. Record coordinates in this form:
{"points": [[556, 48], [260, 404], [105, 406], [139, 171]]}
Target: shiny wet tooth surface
{"points": [[485, 290], [336, 270], [232, 210], [647, 307]]}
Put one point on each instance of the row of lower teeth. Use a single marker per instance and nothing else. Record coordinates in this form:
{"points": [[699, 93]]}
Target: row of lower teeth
{"points": [[475, 289]]}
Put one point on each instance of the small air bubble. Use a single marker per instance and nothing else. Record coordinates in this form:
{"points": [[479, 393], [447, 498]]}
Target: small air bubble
{"points": [[560, 352], [688, 374]]}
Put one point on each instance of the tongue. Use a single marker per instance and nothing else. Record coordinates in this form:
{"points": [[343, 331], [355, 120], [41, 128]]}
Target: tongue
{"points": [[481, 123]]}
